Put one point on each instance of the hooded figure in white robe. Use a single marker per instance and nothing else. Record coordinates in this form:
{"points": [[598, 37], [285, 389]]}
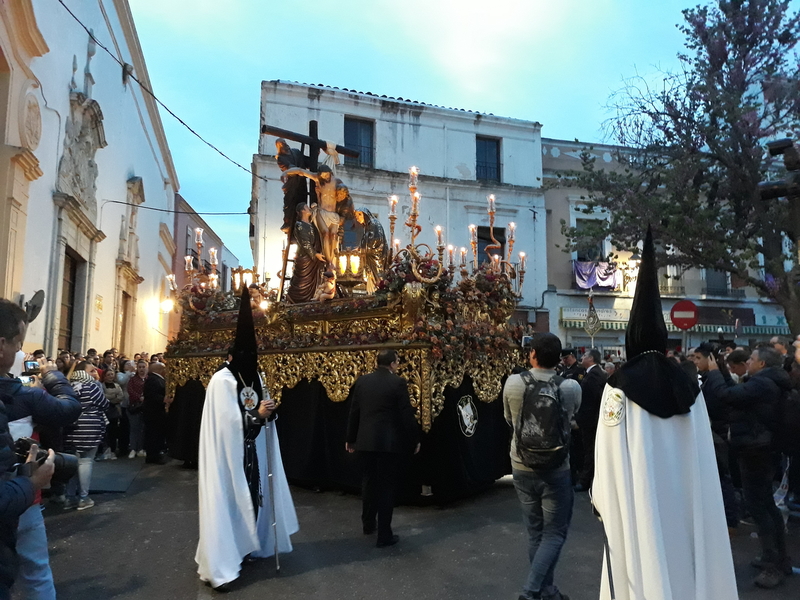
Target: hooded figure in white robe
{"points": [[656, 485], [238, 448]]}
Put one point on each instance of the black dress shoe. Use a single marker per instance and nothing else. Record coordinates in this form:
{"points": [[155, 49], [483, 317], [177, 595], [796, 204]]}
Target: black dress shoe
{"points": [[390, 542]]}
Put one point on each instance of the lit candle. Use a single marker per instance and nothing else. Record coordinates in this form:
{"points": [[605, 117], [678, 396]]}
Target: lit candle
{"points": [[463, 252], [198, 235], [413, 173], [212, 256], [522, 260], [355, 263], [450, 252], [189, 262], [439, 241], [473, 234], [171, 282], [396, 246], [512, 228], [415, 203], [393, 205], [496, 262], [213, 281], [490, 198], [342, 264]]}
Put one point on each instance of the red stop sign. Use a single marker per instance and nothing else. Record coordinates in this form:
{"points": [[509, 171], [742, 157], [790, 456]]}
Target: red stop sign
{"points": [[684, 314]]}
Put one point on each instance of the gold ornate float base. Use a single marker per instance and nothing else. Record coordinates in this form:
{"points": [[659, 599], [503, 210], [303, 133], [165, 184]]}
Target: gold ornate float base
{"points": [[338, 368]]}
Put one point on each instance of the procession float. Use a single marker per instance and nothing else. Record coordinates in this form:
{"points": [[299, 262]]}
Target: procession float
{"points": [[446, 311]]}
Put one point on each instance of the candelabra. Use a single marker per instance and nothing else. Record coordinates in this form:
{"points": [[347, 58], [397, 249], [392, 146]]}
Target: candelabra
{"points": [[201, 276], [416, 254]]}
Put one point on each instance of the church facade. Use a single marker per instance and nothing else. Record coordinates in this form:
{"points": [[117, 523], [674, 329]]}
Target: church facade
{"points": [[84, 158]]}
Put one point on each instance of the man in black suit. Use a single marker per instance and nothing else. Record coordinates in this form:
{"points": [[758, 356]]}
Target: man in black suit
{"points": [[154, 413], [382, 428], [592, 385]]}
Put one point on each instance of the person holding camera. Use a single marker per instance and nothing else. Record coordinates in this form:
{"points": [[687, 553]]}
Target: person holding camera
{"points": [[48, 401], [19, 485]]}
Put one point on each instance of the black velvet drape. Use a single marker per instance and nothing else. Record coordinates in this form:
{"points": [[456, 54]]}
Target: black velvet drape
{"points": [[312, 434]]}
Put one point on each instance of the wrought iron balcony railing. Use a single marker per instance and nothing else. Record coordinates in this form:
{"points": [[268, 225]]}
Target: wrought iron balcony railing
{"points": [[724, 291]]}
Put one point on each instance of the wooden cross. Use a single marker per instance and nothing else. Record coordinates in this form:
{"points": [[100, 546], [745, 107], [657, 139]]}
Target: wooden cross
{"points": [[315, 145], [311, 140]]}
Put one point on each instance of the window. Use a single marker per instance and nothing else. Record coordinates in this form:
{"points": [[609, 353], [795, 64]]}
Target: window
{"points": [[588, 251], [484, 239], [487, 164], [359, 135]]}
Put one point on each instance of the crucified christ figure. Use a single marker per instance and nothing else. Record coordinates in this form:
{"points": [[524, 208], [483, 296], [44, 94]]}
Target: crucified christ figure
{"points": [[325, 216]]}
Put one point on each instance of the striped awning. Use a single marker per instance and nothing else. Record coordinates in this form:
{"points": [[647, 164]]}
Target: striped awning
{"points": [[699, 328]]}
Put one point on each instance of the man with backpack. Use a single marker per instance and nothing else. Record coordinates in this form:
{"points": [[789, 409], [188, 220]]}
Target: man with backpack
{"points": [[539, 405], [755, 422]]}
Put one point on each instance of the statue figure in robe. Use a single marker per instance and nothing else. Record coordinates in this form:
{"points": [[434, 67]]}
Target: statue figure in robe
{"points": [[324, 211], [308, 260], [294, 188], [373, 247]]}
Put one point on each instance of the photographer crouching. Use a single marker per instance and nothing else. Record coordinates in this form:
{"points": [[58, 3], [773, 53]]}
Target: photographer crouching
{"points": [[48, 400]]}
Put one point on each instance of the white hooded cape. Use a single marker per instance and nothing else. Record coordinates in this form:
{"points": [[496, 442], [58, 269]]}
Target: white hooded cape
{"points": [[228, 528], [656, 487]]}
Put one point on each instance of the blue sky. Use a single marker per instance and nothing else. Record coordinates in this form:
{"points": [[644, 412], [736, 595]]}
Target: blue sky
{"points": [[555, 62]]}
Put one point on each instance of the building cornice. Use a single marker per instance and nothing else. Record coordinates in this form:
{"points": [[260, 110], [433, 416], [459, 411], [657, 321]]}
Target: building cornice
{"points": [[76, 214], [129, 272], [29, 164]]}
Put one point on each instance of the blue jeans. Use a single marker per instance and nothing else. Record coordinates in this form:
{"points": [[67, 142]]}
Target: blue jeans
{"points": [[546, 498], [34, 578]]}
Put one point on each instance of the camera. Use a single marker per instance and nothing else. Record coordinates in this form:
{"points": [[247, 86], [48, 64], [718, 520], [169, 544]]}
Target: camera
{"points": [[31, 367], [66, 465], [27, 380]]}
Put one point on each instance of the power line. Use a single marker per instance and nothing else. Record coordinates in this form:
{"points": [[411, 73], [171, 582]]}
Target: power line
{"points": [[178, 212], [164, 106]]}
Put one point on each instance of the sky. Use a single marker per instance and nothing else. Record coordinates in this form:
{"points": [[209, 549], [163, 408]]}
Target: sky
{"points": [[552, 61]]}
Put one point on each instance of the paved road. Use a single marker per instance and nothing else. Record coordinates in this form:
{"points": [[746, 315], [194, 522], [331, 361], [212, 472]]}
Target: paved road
{"points": [[140, 545]]}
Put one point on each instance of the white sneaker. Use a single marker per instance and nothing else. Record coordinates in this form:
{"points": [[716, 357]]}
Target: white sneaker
{"points": [[141, 453], [85, 503], [132, 454], [112, 456]]}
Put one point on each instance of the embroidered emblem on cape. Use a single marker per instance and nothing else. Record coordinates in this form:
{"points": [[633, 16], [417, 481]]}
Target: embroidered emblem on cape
{"points": [[249, 398], [468, 416], [613, 410]]}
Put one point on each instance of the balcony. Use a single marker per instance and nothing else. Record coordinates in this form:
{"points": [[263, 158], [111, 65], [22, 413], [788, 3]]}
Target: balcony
{"points": [[672, 290], [725, 292]]}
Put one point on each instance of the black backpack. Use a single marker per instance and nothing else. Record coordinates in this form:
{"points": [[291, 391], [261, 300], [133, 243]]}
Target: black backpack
{"points": [[786, 436], [542, 430]]}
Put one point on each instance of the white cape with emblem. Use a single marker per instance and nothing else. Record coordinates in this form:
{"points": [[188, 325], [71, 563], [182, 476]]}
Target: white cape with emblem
{"points": [[657, 489], [228, 527]]}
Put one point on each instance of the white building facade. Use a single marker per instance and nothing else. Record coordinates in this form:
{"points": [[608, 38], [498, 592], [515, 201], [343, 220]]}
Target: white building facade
{"points": [[462, 156], [85, 159]]}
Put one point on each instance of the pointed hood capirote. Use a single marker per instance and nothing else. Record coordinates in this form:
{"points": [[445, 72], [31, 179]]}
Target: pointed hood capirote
{"points": [[649, 378], [244, 365]]}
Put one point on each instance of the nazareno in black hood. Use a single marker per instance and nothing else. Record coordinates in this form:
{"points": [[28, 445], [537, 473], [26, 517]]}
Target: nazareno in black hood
{"points": [[656, 383], [244, 365]]}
